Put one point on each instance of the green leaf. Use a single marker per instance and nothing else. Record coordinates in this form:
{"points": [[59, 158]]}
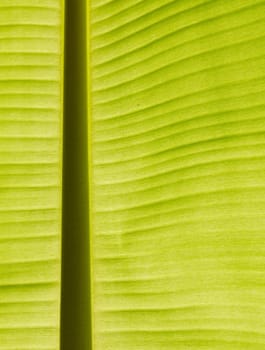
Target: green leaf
{"points": [[177, 180], [31, 81]]}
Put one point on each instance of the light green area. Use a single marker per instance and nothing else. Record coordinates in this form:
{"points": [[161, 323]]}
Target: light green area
{"points": [[177, 186], [31, 81]]}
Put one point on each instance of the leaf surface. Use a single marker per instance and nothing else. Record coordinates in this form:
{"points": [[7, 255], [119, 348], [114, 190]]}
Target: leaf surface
{"points": [[31, 52], [177, 134]]}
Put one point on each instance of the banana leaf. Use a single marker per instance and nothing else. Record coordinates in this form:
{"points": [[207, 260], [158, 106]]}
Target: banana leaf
{"points": [[31, 82], [177, 181]]}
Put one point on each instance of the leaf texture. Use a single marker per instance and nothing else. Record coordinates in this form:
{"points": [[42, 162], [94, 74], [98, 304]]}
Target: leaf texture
{"points": [[31, 51], [177, 146]]}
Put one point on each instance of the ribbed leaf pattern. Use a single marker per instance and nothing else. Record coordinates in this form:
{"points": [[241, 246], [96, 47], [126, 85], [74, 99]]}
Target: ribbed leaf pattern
{"points": [[31, 45], [177, 142]]}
